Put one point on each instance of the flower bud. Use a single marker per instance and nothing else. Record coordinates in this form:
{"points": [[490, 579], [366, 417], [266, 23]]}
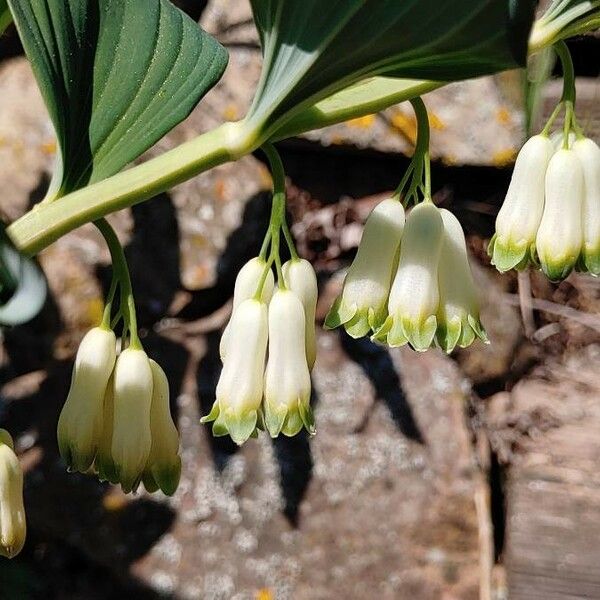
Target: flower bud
{"points": [[414, 297], [240, 387], [362, 306], [287, 379], [458, 313], [520, 216], [80, 423], [104, 463], [246, 284], [560, 237], [302, 280], [164, 463], [588, 153], [131, 439], [12, 512]]}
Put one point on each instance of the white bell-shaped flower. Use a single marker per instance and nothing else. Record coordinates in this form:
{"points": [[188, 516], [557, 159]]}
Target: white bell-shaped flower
{"points": [[246, 285], [240, 387], [302, 280], [287, 379], [588, 153], [13, 527], [131, 438], [80, 423], [362, 305], [517, 223], [560, 236], [104, 464], [414, 297], [458, 313], [163, 469]]}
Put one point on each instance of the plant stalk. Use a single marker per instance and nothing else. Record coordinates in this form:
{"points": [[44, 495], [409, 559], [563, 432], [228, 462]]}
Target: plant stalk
{"points": [[45, 223]]}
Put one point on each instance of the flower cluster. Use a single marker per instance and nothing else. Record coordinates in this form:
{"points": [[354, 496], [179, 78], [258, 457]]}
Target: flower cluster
{"points": [[551, 215], [410, 281], [269, 327], [12, 512], [116, 419]]}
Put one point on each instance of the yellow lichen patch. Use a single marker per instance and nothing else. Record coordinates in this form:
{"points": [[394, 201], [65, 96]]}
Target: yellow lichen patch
{"points": [[406, 125], [231, 113], [264, 594], [450, 160], [220, 189], [502, 158], [503, 116], [435, 122], [362, 122], [49, 147]]}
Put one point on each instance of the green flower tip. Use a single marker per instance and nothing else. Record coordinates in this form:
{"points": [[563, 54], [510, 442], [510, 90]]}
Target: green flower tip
{"points": [[289, 421], [590, 262], [240, 427], [166, 477], [399, 331], [339, 314], [459, 332], [557, 271], [506, 256]]}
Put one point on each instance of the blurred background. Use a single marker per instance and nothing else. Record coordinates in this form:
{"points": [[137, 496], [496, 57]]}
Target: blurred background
{"points": [[461, 477]]}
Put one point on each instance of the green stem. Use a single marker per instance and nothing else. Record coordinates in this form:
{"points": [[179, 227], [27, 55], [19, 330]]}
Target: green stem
{"points": [[106, 320], [569, 90], [121, 272], [551, 120], [278, 174], [46, 223], [421, 157]]}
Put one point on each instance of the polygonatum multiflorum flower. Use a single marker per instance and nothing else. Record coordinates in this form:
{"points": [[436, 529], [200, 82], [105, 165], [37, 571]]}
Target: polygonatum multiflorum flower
{"points": [[163, 468], [301, 279], [362, 305], [287, 378], [80, 423], [240, 388], [559, 238], [588, 153], [513, 244], [458, 313], [414, 297], [131, 435], [246, 286], [12, 511]]}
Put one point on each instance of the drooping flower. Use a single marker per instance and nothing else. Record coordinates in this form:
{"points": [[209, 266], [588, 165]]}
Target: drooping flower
{"points": [[80, 423], [287, 379], [12, 511], [246, 285], [362, 305], [560, 237], [131, 438], [458, 313], [588, 153], [414, 297], [302, 280], [240, 387], [104, 463], [163, 468], [517, 223]]}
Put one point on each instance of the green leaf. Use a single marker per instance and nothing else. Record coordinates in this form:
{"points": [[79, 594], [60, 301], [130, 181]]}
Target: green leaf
{"points": [[22, 285], [5, 16], [116, 75], [312, 50], [564, 19]]}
